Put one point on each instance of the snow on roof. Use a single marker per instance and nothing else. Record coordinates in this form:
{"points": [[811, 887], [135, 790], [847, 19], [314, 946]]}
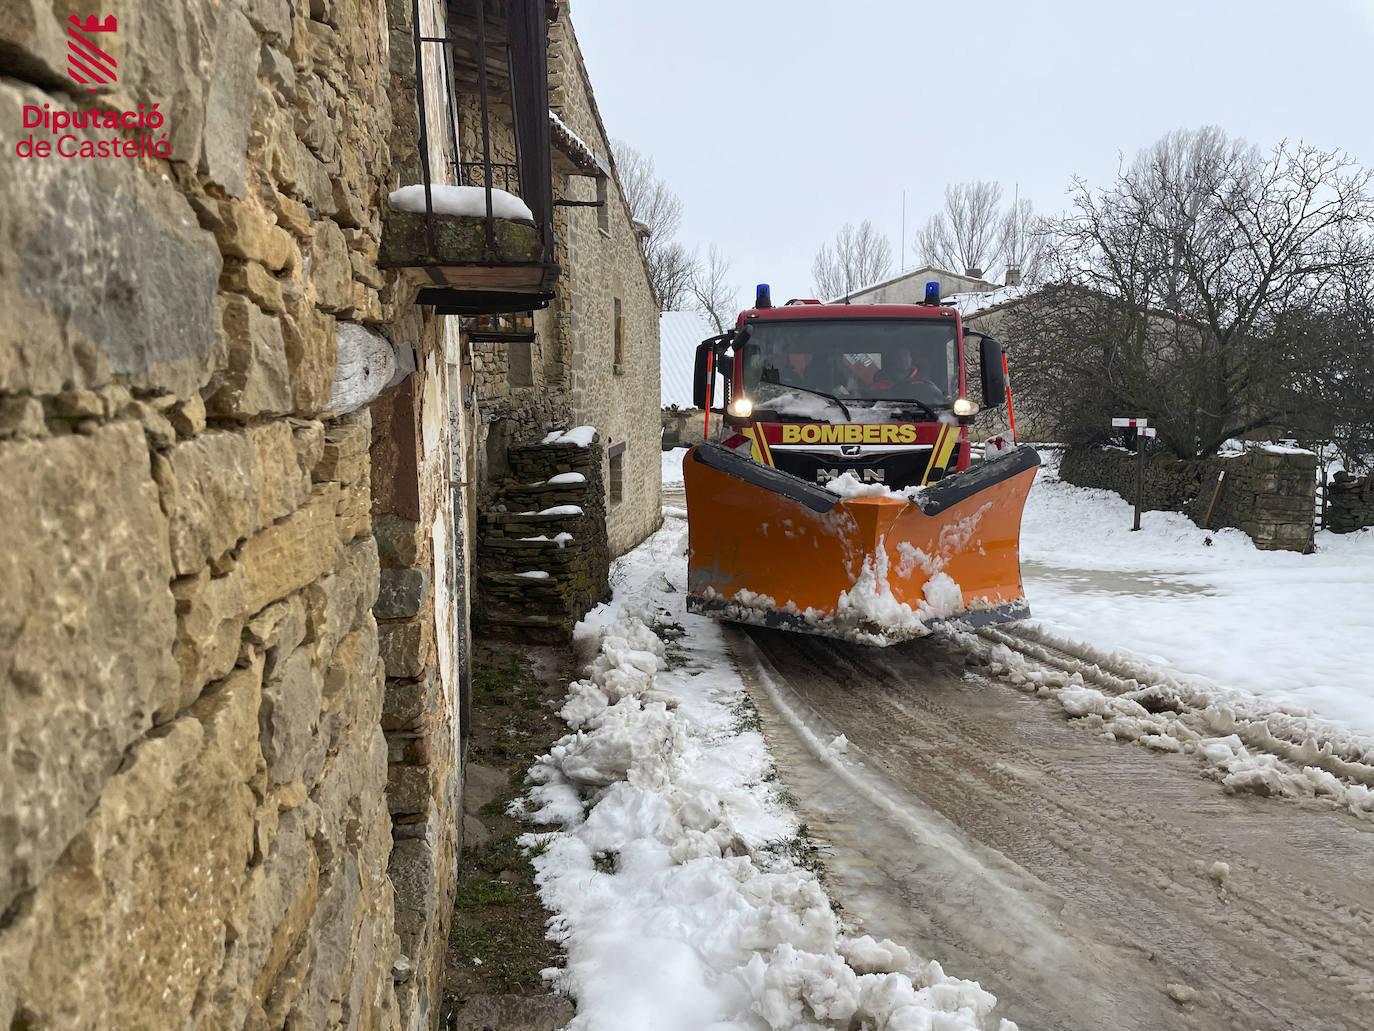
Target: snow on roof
{"points": [[969, 303], [679, 332], [572, 145], [459, 200]]}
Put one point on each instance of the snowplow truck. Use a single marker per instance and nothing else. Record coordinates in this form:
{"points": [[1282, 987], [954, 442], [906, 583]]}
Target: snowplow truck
{"points": [[842, 499]]}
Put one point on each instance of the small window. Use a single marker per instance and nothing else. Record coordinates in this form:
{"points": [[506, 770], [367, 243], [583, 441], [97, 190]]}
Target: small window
{"points": [[603, 209], [520, 370], [617, 479], [618, 328]]}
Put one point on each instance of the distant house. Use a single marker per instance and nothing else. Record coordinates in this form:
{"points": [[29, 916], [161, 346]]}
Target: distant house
{"points": [[910, 287]]}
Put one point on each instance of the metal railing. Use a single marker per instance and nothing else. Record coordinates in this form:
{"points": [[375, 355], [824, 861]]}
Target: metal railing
{"points": [[527, 81]]}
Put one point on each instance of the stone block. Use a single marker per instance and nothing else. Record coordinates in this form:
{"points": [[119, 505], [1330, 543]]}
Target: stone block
{"points": [[526, 1012], [210, 619], [229, 102], [406, 703], [148, 848], [289, 717], [88, 625], [282, 486], [354, 512], [188, 417], [345, 456], [331, 273], [312, 356], [209, 496], [288, 555], [259, 285], [243, 232], [256, 380], [397, 540], [110, 273], [403, 593], [406, 648]]}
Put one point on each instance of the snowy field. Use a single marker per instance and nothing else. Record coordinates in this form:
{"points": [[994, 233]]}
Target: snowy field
{"points": [[1294, 630]]}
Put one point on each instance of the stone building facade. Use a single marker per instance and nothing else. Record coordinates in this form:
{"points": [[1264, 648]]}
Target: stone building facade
{"points": [[606, 313], [234, 571], [589, 359]]}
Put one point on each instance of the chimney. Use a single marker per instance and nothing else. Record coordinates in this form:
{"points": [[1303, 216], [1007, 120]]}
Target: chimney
{"points": [[1013, 276], [973, 272]]}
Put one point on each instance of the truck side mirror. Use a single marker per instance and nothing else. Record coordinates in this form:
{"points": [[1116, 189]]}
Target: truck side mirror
{"points": [[704, 374], [993, 376]]}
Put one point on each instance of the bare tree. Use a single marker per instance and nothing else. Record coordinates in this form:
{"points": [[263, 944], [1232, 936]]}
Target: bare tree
{"points": [[968, 233], [1024, 237], [715, 297], [857, 258], [671, 266], [1210, 288]]}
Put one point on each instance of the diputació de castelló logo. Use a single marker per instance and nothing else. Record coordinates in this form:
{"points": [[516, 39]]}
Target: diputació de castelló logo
{"points": [[91, 66]]}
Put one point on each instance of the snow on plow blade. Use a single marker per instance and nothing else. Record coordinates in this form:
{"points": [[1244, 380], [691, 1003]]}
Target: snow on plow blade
{"points": [[769, 548]]}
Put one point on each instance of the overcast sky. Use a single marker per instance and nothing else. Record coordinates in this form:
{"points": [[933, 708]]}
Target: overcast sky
{"points": [[778, 122]]}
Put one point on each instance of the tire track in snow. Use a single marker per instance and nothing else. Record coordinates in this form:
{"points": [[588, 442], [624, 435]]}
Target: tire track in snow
{"points": [[1071, 876], [1249, 747]]}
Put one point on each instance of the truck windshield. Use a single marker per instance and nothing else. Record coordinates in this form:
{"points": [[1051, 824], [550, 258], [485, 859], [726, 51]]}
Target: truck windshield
{"points": [[880, 360]]}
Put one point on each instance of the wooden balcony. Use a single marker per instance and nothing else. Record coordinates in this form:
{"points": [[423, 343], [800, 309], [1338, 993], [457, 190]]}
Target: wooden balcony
{"points": [[469, 265]]}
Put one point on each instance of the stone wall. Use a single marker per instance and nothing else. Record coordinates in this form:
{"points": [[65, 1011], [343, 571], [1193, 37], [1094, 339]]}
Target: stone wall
{"points": [[600, 267], [683, 427], [518, 538], [1171, 485], [1269, 494], [208, 811], [1349, 503]]}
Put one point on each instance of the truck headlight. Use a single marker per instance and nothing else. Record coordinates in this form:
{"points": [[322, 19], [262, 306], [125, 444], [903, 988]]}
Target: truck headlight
{"points": [[741, 406], [964, 406]]}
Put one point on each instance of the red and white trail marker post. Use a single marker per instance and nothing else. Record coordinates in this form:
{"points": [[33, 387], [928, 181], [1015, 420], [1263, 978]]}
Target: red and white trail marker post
{"points": [[1142, 430]]}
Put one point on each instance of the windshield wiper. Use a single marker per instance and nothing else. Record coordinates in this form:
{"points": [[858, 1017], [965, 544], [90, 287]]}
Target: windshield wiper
{"points": [[808, 390], [913, 401]]}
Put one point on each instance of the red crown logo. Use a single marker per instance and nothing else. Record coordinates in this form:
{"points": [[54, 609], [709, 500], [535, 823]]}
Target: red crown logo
{"points": [[86, 62]]}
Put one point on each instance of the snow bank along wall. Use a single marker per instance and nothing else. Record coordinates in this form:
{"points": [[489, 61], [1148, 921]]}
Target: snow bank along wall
{"points": [[1270, 495], [228, 793]]}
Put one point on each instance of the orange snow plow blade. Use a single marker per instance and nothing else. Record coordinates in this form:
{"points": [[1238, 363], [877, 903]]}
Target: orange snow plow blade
{"points": [[769, 548]]}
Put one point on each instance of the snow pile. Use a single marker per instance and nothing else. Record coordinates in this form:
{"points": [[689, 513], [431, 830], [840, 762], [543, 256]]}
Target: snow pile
{"points": [[578, 436], [672, 465], [676, 897], [566, 478], [558, 510], [560, 539], [1249, 747], [460, 200], [534, 574]]}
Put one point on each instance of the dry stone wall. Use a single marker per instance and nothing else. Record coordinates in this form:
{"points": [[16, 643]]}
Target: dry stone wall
{"points": [[1349, 503], [204, 819], [1271, 495], [553, 530]]}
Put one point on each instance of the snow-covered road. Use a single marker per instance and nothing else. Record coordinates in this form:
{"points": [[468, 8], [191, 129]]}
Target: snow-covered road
{"points": [[1085, 883], [984, 798]]}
